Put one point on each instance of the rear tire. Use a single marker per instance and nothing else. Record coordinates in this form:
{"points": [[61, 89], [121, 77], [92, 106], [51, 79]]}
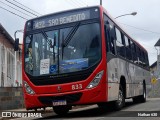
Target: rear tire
{"points": [[118, 104], [141, 98], [61, 110]]}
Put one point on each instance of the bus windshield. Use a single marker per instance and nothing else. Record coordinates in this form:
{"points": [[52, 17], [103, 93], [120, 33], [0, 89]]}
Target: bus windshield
{"points": [[45, 53]]}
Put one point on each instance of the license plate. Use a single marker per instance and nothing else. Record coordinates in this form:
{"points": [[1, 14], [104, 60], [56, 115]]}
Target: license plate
{"points": [[59, 102]]}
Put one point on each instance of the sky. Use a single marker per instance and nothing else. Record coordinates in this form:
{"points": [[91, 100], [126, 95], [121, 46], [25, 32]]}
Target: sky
{"points": [[144, 27]]}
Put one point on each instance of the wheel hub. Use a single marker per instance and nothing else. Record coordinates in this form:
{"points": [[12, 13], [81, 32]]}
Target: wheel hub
{"points": [[120, 98]]}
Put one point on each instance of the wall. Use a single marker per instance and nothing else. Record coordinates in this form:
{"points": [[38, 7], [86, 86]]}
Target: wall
{"points": [[11, 98], [7, 64]]}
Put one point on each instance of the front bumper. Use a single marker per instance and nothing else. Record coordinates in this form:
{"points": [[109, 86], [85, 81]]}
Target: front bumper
{"points": [[87, 96]]}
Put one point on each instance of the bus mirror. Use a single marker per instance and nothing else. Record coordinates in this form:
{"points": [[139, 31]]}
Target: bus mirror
{"points": [[16, 44]]}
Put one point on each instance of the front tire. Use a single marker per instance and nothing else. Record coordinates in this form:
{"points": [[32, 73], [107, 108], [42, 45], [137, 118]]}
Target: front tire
{"points": [[61, 110], [118, 104]]}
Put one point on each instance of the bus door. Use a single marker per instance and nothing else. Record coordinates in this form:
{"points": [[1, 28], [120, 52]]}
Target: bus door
{"points": [[112, 63]]}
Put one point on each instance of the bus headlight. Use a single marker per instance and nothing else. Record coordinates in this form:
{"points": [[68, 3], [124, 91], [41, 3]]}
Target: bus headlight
{"points": [[28, 88], [96, 80]]}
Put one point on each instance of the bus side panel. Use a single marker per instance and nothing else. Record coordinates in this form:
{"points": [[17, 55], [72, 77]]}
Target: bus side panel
{"points": [[133, 75], [126, 73], [136, 83], [113, 85], [140, 76], [119, 68]]}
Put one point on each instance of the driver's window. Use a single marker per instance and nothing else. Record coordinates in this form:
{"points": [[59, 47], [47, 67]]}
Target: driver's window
{"points": [[109, 35]]}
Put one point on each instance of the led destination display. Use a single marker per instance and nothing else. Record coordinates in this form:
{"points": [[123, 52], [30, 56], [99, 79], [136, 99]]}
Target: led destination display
{"points": [[64, 18]]}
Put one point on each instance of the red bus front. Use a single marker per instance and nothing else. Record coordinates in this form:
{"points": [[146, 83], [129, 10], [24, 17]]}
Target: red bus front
{"points": [[64, 59]]}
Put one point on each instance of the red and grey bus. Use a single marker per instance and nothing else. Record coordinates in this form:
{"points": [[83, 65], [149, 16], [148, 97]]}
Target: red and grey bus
{"points": [[81, 56]]}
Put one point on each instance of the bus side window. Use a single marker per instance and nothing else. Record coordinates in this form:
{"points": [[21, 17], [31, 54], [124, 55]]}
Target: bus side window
{"points": [[138, 54], [128, 48], [113, 38], [133, 47], [120, 47], [109, 35], [143, 59], [146, 60]]}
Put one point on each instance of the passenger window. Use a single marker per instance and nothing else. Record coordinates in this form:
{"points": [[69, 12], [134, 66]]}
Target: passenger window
{"points": [[120, 44], [133, 48], [118, 36], [140, 57], [146, 59], [143, 59], [126, 41], [128, 49]]}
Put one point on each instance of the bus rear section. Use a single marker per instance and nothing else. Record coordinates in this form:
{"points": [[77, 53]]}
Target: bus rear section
{"points": [[64, 60]]}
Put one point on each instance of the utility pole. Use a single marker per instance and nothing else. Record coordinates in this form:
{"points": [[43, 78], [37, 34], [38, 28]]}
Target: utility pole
{"points": [[100, 2], [15, 62], [16, 57]]}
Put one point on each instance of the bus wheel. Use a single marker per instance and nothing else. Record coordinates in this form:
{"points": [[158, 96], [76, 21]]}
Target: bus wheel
{"points": [[118, 104], [61, 110], [141, 98]]}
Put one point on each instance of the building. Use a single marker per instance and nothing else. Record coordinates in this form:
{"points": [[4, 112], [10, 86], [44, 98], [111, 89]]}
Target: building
{"points": [[156, 65], [7, 61], [153, 69]]}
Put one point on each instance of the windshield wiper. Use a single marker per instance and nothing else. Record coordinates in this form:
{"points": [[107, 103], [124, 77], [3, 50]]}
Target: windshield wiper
{"points": [[69, 37], [46, 38]]}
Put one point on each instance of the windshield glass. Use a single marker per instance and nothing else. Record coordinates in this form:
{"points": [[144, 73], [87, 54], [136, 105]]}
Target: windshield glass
{"points": [[45, 53]]}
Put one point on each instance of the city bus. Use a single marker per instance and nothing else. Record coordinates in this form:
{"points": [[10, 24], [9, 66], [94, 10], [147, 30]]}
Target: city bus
{"points": [[79, 57]]}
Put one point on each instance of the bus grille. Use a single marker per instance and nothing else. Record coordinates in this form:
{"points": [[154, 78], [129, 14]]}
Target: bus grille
{"points": [[70, 98]]}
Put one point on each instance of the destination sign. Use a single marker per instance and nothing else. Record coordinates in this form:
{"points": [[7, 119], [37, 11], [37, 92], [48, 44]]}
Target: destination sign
{"points": [[60, 19]]}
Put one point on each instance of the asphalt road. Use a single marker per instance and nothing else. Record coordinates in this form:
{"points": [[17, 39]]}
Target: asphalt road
{"points": [[149, 110], [142, 111]]}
